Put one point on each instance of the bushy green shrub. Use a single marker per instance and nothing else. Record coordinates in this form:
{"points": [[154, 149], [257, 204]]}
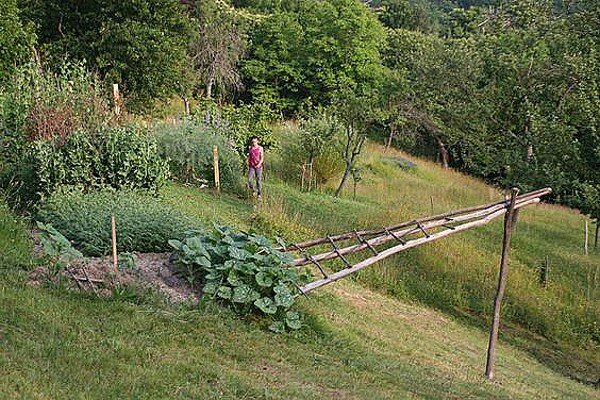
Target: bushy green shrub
{"points": [[121, 158], [143, 223], [189, 150], [238, 123], [245, 271], [312, 149], [39, 104], [36, 104], [57, 251]]}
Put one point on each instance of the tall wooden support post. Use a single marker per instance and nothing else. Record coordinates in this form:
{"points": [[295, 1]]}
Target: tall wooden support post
{"points": [[186, 106], [586, 237], [509, 221], [117, 99], [216, 168], [114, 244]]}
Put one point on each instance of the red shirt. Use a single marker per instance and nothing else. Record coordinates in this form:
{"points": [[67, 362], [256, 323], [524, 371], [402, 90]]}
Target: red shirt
{"points": [[255, 156]]}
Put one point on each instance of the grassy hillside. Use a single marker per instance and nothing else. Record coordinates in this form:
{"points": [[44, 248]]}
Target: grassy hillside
{"points": [[374, 336]]}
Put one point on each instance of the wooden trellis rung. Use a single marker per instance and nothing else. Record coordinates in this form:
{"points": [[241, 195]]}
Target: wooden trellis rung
{"points": [[337, 251], [366, 243]]}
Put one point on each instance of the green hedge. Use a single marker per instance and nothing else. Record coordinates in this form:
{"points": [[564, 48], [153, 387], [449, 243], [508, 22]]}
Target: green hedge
{"points": [[144, 223]]}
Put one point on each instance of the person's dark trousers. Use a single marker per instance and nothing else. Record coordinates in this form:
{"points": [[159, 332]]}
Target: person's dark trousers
{"points": [[255, 176]]}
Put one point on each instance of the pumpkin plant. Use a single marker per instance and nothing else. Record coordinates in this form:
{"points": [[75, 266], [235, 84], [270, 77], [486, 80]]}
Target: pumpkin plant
{"points": [[245, 271]]}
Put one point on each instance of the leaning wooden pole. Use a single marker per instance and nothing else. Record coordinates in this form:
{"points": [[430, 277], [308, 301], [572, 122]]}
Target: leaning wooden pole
{"points": [[509, 221]]}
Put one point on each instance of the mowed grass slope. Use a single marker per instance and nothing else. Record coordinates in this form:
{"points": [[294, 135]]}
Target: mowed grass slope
{"points": [[374, 336], [357, 345]]}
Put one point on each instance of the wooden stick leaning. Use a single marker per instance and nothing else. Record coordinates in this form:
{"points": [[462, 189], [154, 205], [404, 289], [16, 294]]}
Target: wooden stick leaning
{"points": [[373, 232], [409, 244], [392, 233], [509, 222]]}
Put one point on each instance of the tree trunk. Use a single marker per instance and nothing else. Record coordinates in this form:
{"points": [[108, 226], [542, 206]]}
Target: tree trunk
{"points": [[344, 178], [443, 153], [393, 131], [529, 152], [209, 87]]}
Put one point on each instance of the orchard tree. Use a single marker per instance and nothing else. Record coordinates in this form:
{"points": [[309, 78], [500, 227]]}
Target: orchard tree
{"points": [[218, 48]]}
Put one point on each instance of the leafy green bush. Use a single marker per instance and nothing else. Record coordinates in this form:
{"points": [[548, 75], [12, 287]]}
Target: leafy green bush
{"points": [[312, 149], [121, 158], [245, 271], [189, 150], [143, 223], [58, 252], [38, 105], [238, 123]]}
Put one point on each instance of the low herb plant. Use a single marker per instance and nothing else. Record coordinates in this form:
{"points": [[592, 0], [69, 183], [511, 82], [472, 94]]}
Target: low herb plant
{"points": [[144, 223], [245, 271]]}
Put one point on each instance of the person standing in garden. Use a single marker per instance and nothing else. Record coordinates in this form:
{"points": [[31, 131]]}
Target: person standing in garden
{"points": [[256, 158]]}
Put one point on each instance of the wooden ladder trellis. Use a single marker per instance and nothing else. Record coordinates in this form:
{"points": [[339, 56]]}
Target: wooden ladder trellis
{"points": [[405, 235]]}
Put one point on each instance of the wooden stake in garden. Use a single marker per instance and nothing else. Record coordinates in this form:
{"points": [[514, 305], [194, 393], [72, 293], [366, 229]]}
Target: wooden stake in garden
{"points": [[216, 168], [114, 244], [586, 238], [545, 271], [509, 220], [186, 106], [117, 99]]}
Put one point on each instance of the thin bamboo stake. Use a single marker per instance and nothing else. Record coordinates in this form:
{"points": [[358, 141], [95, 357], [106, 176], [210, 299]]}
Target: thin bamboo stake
{"points": [[186, 106], [117, 99], [509, 220], [586, 238], [114, 244], [216, 168]]}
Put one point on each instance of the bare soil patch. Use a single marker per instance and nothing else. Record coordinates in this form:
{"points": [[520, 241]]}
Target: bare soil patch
{"points": [[153, 270]]}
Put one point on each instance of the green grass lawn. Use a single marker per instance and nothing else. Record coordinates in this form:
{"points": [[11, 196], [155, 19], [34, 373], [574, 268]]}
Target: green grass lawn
{"points": [[413, 326]]}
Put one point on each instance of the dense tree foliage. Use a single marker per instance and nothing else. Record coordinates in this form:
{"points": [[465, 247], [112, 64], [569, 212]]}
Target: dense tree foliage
{"points": [[16, 39], [140, 44], [507, 90], [305, 51]]}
